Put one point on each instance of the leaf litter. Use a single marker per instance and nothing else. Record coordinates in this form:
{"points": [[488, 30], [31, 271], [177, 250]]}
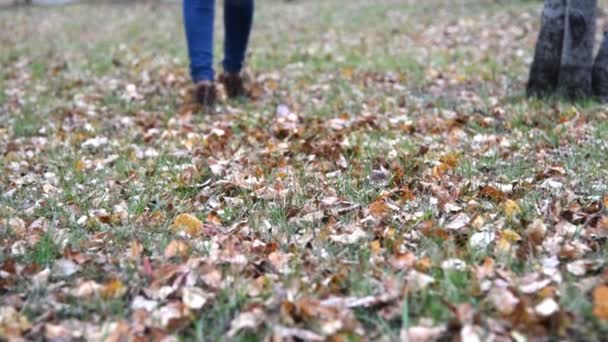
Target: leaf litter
{"points": [[368, 201]]}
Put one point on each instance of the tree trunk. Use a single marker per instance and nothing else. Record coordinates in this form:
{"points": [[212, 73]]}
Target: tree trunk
{"points": [[544, 73], [599, 75], [577, 54]]}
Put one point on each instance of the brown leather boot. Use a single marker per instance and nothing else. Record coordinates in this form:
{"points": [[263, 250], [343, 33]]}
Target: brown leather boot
{"points": [[205, 94], [234, 85]]}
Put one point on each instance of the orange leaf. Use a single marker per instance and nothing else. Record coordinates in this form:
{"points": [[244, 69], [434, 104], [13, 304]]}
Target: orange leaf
{"points": [[450, 160], [406, 194], [113, 289], [176, 248], [375, 247], [214, 219], [135, 250], [379, 209], [600, 302], [440, 169], [492, 193]]}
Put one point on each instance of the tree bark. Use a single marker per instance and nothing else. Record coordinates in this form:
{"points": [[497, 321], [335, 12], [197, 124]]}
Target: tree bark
{"points": [[599, 75], [577, 54], [544, 73]]}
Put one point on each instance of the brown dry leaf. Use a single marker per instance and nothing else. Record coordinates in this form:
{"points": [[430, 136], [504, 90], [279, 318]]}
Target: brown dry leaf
{"points": [[12, 323], [283, 333], [460, 221], [492, 193], [135, 250], [187, 223], [402, 261], [171, 315], [280, 261], [194, 297], [600, 302], [349, 237], [379, 209], [56, 332], [440, 169], [246, 320], [177, 248], [65, 268], [421, 334], [503, 300], [536, 231], [87, 289], [419, 281], [213, 218], [534, 286]]}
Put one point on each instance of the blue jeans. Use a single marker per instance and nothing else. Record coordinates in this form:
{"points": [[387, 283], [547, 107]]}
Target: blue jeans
{"points": [[198, 20]]}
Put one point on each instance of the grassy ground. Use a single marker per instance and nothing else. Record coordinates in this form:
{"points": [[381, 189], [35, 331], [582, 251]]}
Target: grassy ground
{"points": [[389, 180]]}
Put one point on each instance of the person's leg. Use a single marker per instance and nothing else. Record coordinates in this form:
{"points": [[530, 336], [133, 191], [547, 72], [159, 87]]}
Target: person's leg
{"points": [[238, 18], [198, 23]]}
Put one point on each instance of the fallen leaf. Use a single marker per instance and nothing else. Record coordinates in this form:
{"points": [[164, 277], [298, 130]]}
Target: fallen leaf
{"points": [[12, 323], [504, 301], [546, 308], [283, 333], [379, 209], [355, 235], [419, 281], [460, 221], [536, 231], [87, 289], [135, 250], [511, 208], [113, 289], [177, 248], [141, 303], [421, 334], [187, 223], [534, 286], [600, 302], [481, 240], [246, 320], [194, 297], [65, 268], [280, 261]]}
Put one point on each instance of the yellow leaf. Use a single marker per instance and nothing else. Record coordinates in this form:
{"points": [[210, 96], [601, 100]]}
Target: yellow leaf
{"points": [[113, 289], [375, 247], [506, 240], [600, 302], [503, 245], [187, 223], [80, 165], [450, 160], [511, 208], [510, 235]]}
